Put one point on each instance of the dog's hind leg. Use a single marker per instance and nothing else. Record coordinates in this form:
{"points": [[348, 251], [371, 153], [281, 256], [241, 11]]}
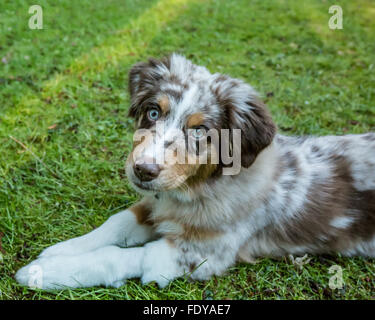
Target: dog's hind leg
{"points": [[363, 248]]}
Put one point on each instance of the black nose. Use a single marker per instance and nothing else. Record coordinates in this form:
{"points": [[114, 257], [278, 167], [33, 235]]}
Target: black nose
{"points": [[146, 172]]}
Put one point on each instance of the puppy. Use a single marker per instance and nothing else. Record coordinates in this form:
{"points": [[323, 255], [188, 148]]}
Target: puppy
{"points": [[288, 195]]}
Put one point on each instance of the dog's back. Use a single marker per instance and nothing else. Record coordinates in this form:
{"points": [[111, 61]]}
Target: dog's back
{"points": [[323, 198]]}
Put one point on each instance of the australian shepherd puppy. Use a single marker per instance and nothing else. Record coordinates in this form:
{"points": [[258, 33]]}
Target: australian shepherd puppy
{"points": [[258, 194]]}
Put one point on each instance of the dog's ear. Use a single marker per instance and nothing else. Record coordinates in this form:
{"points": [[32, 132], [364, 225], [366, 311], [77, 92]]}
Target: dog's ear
{"points": [[244, 110], [135, 77], [144, 79]]}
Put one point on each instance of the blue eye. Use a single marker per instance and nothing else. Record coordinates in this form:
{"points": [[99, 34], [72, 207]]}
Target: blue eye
{"points": [[198, 133], [153, 114]]}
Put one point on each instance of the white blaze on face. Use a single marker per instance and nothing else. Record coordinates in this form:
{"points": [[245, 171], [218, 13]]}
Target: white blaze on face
{"points": [[169, 140], [159, 145], [167, 137], [188, 104]]}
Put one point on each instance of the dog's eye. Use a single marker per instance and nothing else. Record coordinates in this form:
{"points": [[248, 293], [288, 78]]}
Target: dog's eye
{"points": [[153, 114], [198, 133]]}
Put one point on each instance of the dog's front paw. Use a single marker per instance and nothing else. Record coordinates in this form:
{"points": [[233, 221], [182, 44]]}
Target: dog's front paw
{"points": [[159, 264], [101, 267], [48, 273], [160, 279], [30, 275]]}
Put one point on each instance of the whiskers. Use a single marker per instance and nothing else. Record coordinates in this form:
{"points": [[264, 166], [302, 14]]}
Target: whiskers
{"points": [[175, 181]]}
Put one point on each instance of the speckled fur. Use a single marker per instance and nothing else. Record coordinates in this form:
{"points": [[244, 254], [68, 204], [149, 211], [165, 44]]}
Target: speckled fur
{"points": [[301, 195]]}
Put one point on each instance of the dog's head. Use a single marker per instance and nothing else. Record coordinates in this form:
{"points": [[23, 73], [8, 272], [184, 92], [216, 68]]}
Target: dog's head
{"points": [[186, 119]]}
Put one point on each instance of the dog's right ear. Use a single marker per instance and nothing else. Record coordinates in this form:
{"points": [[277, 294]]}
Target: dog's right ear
{"points": [[243, 110], [144, 79]]}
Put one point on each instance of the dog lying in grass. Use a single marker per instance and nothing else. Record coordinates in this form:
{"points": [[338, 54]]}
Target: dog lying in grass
{"points": [[258, 194]]}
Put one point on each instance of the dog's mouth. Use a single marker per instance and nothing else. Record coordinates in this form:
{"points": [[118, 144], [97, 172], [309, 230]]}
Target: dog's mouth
{"points": [[144, 186], [154, 186]]}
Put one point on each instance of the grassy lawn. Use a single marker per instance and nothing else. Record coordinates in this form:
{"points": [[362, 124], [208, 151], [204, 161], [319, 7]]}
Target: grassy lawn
{"points": [[65, 135]]}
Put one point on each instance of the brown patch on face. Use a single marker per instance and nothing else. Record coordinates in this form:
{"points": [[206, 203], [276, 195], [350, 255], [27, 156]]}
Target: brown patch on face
{"points": [[177, 174], [144, 84], [164, 104], [138, 142], [204, 172], [195, 120], [142, 211], [191, 173]]}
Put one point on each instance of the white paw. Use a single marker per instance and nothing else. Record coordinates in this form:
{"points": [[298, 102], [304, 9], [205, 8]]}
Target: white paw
{"points": [[48, 273], [159, 263], [161, 280], [101, 267], [116, 284]]}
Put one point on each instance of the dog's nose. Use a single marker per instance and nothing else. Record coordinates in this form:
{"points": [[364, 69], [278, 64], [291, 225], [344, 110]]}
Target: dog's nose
{"points": [[146, 172]]}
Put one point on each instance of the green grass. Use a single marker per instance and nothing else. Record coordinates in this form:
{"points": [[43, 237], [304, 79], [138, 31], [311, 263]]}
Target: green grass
{"points": [[63, 95]]}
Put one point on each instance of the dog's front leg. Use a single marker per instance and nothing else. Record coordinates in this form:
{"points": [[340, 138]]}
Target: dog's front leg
{"points": [[109, 266], [126, 228]]}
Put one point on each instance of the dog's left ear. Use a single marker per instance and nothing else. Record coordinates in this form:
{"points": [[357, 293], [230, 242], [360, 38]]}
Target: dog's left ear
{"points": [[143, 81], [244, 110]]}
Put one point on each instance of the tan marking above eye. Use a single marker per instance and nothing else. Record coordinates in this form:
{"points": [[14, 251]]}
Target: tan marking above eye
{"points": [[164, 104], [195, 120]]}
